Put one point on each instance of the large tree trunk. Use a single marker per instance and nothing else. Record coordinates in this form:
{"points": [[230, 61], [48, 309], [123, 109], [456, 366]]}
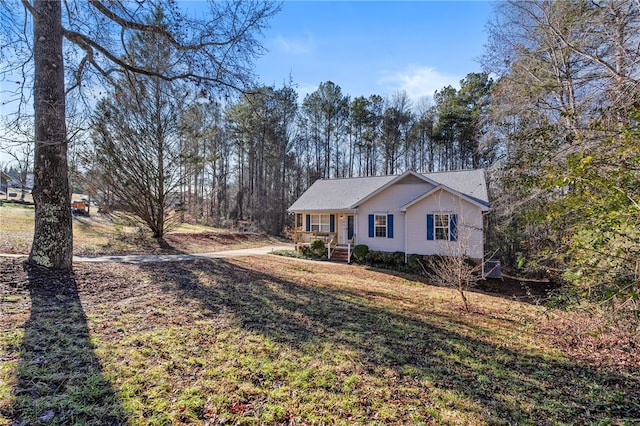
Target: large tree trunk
{"points": [[52, 241]]}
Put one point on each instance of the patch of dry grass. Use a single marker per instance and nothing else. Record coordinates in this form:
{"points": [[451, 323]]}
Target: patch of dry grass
{"points": [[111, 235], [16, 228], [271, 340]]}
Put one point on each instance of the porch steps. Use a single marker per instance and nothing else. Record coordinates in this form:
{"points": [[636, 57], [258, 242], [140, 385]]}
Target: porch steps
{"points": [[339, 254]]}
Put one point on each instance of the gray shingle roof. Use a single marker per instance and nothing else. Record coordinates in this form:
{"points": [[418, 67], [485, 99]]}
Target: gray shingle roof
{"points": [[468, 182], [342, 194], [338, 194]]}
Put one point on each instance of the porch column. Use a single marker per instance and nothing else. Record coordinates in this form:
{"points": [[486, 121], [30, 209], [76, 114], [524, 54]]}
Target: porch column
{"points": [[356, 230]]}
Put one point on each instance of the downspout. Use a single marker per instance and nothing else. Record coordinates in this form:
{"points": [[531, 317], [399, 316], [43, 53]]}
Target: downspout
{"points": [[485, 221], [406, 239]]}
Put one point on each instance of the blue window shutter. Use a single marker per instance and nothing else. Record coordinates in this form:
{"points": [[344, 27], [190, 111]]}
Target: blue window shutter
{"points": [[371, 227], [308, 222], [332, 223], [453, 227], [430, 227], [389, 226]]}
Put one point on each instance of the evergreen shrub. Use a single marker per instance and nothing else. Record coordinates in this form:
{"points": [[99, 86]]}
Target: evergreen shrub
{"points": [[317, 247], [360, 252]]}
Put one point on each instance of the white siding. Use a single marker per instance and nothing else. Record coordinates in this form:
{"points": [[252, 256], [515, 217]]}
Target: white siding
{"points": [[469, 226], [340, 224], [388, 202]]}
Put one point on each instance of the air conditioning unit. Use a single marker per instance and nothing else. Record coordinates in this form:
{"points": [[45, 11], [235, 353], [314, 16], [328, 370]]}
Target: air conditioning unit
{"points": [[492, 269]]}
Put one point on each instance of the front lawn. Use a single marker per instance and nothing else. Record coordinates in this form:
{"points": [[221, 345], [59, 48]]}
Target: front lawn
{"points": [[104, 234], [272, 340]]}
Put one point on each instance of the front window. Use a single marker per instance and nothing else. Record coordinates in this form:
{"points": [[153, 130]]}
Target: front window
{"points": [[320, 222], [298, 220], [380, 222], [442, 227]]}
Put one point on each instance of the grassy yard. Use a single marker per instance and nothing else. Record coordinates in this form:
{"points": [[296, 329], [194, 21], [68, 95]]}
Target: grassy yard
{"points": [[102, 235], [272, 340]]}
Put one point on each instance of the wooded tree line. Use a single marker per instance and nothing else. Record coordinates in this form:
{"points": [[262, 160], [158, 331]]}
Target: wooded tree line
{"points": [[251, 158], [565, 108]]}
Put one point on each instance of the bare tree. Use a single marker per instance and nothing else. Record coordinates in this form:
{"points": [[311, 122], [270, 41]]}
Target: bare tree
{"points": [[565, 108], [326, 112], [458, 242], [136, 138], [261, 123], [17, 143], [455, 271], [214, 49]]}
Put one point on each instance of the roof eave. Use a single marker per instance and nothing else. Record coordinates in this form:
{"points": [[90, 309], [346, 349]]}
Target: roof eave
{"points": [[442, 187], [336, 209]]}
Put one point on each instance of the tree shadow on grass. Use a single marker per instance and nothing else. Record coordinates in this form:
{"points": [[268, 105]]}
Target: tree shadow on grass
{"points": [[505, 383], [533, 292], [59, 377]]}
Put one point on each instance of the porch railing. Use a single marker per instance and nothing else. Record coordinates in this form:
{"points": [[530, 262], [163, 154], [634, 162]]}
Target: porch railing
{"points": [[331, 243], [349, 244], [304, 238]]}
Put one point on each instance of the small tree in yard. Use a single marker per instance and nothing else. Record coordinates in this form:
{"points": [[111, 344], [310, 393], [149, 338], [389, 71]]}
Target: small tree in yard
{"points": [[135, 138], [457, 271]]}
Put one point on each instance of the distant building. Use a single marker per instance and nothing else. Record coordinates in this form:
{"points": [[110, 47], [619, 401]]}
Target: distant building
{"points": [[14, 180], [4, 183]]}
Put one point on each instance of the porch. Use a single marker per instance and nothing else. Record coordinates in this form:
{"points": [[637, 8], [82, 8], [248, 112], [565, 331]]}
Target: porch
{"points": [[334, 228], [339, 251]]}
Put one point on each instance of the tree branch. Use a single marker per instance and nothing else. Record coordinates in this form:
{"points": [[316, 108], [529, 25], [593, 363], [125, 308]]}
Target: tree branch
{"points": [[30, 8], [88, 45]]}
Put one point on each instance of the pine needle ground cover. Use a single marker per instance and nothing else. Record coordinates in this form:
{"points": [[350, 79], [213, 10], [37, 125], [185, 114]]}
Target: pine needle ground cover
{"points": [[272, 340]]}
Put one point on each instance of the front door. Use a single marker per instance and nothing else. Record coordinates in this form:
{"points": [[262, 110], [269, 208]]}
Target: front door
{"points": [[350, 227], [342, 229], [345, 228]]}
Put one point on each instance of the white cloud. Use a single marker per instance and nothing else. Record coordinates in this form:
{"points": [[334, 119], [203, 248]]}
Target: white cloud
{"points": [[304, 89], [417, 81], [295, 46]]}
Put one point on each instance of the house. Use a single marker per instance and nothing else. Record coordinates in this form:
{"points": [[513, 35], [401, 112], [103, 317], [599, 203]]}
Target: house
{"points": [[415, 213], [4, 183]]}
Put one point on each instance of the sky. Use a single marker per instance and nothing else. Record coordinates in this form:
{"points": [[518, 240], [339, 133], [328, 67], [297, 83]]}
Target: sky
{"points": [[369, 47], [377, 47]]}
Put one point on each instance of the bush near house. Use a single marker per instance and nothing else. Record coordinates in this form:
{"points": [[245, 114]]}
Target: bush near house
{"points": [[316, 250], [378, 259], [385, 260], [398, 258], [417, 263], [317, 247], [360, 252]]}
